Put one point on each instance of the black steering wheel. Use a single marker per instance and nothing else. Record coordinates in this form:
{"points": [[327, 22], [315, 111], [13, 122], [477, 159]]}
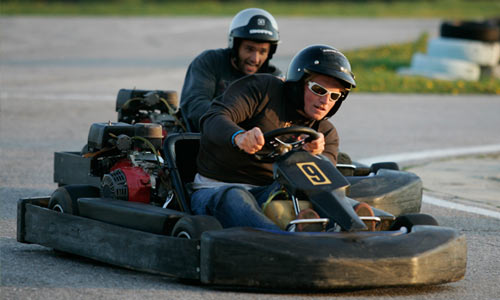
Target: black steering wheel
{"points": [[275, 147]]}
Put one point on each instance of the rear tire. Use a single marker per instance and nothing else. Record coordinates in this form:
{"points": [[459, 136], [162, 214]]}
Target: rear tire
{"points": [[410, 220], [192, 227], [85, 149], [64, 199], [471, 30]]}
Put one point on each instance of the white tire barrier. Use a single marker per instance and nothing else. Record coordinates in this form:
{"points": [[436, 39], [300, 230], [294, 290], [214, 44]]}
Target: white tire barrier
{"points": [[484, 54], [442, 68]]}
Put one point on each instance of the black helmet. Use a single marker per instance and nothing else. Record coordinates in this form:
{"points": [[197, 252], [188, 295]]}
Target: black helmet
{"points": [[320, 59], [254, 24]]}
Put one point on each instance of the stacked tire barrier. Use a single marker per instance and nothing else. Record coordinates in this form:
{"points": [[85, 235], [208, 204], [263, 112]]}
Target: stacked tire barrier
{"points": [[465, 50]]}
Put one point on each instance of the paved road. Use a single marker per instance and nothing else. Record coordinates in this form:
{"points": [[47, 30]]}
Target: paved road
{"points": [[101, 55], [58, 75]]}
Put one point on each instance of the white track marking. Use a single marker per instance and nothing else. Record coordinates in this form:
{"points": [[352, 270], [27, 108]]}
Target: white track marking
{"points": [[431, 154], [436, 154], [462, 207], [57, 96]]}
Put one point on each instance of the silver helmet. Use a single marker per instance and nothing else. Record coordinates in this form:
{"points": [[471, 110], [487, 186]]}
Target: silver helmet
{"points": [[254, 24]]}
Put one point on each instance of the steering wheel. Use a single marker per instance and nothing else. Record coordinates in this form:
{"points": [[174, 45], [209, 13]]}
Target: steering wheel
{"points": [[275, 147]]}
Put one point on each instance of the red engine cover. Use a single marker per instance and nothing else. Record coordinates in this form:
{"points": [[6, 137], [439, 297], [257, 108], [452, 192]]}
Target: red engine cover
{"points": [[138, 181]]}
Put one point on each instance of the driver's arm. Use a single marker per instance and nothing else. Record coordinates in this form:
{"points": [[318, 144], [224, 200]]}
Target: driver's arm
{"points": [[239, 103], [250, 141], [199, 89], [331, 140]]}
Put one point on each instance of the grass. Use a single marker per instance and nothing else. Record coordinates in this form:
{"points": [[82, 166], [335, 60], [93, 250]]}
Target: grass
{"points": [[401, 8], [376, 71]]}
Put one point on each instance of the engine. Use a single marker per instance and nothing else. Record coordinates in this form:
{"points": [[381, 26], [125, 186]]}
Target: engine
{"points": [[128, 182], [128, 159], [145, 106]]}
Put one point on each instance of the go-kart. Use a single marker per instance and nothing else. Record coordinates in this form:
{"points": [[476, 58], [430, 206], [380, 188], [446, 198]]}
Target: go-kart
{"points": [[117, 224], [381, 185]]}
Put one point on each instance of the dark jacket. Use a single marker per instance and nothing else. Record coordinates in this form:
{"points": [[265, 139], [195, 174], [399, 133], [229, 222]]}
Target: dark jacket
{"points": [[207, 77], [253, 101]]}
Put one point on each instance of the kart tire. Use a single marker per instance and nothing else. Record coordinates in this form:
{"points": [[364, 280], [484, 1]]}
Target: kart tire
{"points": [[192, 227], [410, 220], [384, 165], [344, 158], [470, 30], [64, 199], [85, 149]]}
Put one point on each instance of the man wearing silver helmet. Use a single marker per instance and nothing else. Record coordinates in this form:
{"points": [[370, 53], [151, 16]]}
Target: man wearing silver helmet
{"points": [[253, 39], [230, 184]]}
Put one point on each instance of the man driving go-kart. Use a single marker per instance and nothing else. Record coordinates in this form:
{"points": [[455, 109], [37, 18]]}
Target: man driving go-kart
{"points": [[264, 143], [231, 184]]}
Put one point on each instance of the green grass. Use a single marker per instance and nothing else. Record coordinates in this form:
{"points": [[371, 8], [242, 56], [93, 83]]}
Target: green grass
{"points": [[376, 71], [416, 8]]}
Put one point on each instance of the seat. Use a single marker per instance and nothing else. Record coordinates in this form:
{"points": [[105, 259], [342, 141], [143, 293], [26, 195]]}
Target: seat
{"points": [[180, 151]]}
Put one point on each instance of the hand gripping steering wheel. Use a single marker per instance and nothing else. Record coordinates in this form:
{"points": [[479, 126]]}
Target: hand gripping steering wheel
{"points": [[275, 147]]}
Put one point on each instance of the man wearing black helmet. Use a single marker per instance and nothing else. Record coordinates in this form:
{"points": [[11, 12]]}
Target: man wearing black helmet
{"points": [[230, 184], [253, 39]]}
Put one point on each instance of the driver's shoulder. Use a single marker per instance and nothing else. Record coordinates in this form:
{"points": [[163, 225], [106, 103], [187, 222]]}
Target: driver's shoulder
{"points": [[268, 80], [326, 127], [213, 56]]}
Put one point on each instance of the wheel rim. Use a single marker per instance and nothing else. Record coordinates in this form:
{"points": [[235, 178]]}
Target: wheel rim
{"points": [[184, 235], [58, 208]]}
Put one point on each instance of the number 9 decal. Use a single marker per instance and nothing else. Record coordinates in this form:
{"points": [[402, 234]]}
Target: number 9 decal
{"points": [[313, 173]]}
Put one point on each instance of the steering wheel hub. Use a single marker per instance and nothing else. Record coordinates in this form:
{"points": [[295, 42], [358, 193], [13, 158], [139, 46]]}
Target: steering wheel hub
{"points": [[275, 147]]}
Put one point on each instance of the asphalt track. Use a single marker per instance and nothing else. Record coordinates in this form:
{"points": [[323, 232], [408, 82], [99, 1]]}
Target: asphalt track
{"points": [[58, 75]]}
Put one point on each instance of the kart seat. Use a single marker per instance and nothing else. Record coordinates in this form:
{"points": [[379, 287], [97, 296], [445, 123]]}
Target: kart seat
{"points": [[180, 151]]}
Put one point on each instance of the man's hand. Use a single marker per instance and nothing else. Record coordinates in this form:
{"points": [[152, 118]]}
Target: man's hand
{"points": [[317, 146], [250, 141]]}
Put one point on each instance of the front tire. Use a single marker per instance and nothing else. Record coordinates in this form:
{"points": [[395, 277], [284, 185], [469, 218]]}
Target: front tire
{"points": [[64, 199], [410, 220], [192, 227], [384, 165]]}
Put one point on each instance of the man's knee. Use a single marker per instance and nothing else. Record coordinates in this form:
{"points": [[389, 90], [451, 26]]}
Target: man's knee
{"points": [[236, 195]]}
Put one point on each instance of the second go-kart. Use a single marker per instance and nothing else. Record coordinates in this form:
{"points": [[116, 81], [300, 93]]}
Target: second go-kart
{"points": [[117, 224]]}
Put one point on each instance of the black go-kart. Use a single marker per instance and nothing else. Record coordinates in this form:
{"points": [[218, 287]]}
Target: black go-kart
{"points": [[139, 217], [381, 185]]}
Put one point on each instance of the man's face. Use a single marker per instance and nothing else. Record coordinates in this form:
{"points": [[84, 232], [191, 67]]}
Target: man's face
{"points": [[316, 107], [252, 55]]}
